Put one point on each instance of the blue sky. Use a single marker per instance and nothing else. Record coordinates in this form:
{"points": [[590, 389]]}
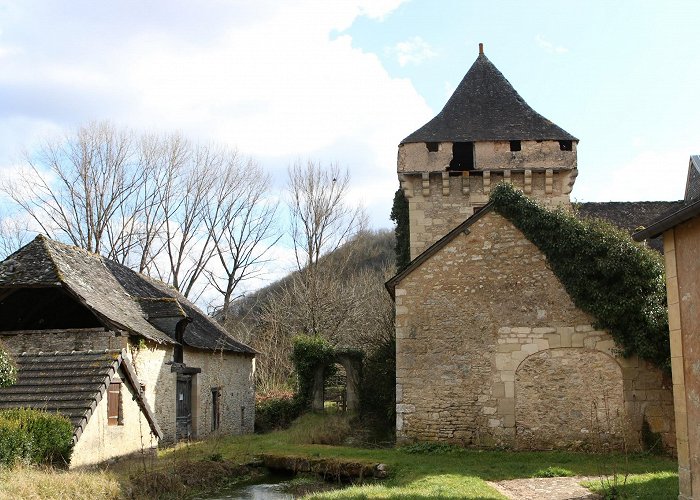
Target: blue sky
{"points": [[345, 81]]}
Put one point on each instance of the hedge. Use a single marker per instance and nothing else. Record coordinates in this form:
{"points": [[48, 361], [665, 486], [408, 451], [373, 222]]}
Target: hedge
{"points": [[34, 437]]}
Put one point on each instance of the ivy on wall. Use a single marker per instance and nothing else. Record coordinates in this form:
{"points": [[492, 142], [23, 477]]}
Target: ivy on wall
{"points": [[399, 214], [308, 353], [609, 276]]}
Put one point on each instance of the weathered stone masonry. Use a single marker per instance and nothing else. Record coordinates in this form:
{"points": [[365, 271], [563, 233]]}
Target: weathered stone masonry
{"points": [[491, 351]]}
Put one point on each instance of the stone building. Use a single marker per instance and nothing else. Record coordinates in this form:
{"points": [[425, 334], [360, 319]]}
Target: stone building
{"points": [[681, 237], [190, 374], [490, 348]]}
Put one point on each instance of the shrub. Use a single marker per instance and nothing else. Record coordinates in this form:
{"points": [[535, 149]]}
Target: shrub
{"points": [[34, 437], [378, 391], [277, 413], [553, 472]]}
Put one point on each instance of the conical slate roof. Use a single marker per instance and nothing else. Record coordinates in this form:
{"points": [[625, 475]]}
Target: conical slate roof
{"points": [[486, 107]]}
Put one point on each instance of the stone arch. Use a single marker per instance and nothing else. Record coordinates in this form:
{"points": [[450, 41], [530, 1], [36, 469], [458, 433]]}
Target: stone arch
{"points": [[569, 398], [352, 363]]}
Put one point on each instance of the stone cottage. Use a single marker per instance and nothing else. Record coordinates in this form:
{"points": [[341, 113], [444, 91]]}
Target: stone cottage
{"points": [[188, 375], [681, 237], [490, 349]]}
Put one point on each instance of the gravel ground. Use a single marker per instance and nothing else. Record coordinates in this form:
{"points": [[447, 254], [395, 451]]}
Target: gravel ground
{"points": [[554, 488]]}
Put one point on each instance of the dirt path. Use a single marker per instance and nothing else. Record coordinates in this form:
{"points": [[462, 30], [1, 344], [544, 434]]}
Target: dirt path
{"points": [[554, 488]]}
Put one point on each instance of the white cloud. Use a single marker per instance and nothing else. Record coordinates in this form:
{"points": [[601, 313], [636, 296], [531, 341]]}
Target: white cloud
{"points": [[649, 175], [548, 46], [412, 51], [279, 81]]}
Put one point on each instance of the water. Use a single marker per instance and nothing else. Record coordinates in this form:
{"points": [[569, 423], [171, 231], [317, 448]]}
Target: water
{"points": [[255, 492]]}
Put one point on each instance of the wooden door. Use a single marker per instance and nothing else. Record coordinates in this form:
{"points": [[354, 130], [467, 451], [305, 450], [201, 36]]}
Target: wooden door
{"points": [[183, 416]]}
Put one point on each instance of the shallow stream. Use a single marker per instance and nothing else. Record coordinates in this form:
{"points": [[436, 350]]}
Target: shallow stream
{"points": [[267, 491]]}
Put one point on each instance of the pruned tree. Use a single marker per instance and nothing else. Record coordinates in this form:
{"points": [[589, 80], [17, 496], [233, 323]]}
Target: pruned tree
{"points": [[321, 221]]}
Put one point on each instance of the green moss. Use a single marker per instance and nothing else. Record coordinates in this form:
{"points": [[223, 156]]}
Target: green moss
{"points": [[609, 276]]}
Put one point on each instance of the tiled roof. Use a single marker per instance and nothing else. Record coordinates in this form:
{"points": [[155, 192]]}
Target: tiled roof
{"points": [[630, 215], [120, 298], [486, 107], [692, 186], [70, 383]]}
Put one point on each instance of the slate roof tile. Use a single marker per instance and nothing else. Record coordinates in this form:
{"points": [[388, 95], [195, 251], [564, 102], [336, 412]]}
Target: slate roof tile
{"points": [[486, 107], [121, 298], [70, 383]]}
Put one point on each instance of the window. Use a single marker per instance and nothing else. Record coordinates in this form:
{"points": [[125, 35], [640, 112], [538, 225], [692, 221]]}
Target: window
{"points": [[566, 145], [462, 157], [515, 145], [114, 404], [215, 408], [433, 147]]}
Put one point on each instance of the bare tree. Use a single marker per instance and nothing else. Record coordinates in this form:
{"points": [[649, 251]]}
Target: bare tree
{"points": [[244, 225], [14, 233], [76, 188], [157, 203], [321, 222]]}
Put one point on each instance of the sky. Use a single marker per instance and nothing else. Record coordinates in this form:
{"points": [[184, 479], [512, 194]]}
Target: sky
{"points": [[346, 80]]}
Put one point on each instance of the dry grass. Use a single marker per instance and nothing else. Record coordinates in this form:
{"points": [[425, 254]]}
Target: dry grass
{"points": [[45, 483], [313, 428]]}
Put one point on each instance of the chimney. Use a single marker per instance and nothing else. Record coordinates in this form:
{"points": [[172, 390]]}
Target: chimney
{"points": [[481, 49]]}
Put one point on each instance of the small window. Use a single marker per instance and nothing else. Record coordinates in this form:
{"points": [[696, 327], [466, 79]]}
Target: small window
{"points": [[432, 146], [114, 404], [515, 145], [566, 145], [477, 208], [215, 408], [462, 157]]}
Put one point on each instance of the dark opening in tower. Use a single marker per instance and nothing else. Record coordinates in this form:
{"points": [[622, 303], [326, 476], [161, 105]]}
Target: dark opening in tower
{"points": [[462, 157]]}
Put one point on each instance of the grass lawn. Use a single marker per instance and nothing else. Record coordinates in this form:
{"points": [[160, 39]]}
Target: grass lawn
{"points": [[420, 472]]}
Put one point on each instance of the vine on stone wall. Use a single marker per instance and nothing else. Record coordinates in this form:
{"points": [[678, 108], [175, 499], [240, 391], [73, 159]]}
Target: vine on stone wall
{"points": [[619, 282], [308, 353], [399, 214]]}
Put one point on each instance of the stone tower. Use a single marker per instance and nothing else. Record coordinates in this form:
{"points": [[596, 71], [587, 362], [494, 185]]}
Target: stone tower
{"points": [[486, 133]]}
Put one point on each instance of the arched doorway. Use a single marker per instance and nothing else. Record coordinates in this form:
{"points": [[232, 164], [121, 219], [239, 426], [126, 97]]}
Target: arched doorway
{"points": [[350, 364], [335, 389], [569, 395]]}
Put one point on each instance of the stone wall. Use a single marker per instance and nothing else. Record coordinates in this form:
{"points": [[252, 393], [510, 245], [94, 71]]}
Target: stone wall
{"points": [[488, 155], [100, 442], [32, 341], [474, 325], [151, 363], [438, 202], [682, 254], [233, 373]]}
